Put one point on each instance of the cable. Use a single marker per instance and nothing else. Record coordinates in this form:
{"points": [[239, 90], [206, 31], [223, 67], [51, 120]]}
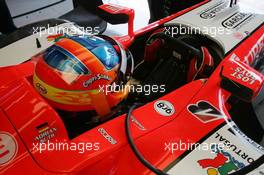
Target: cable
{"points": [[133, 146], [253, 166]]}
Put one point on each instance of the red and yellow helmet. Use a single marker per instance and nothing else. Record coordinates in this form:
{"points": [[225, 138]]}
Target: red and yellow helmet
{"points": [[71, 74]]}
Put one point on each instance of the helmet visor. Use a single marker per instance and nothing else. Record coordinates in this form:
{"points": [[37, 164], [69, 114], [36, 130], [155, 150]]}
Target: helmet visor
{"points": [[63, 61]]}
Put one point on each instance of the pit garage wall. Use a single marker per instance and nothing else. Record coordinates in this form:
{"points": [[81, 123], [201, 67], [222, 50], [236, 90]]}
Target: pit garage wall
{"points": [[28, 11]]}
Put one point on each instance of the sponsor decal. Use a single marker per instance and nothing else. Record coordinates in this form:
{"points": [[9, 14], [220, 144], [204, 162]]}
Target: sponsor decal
{"points": [[8, 148], [237, 132], [225, 153], [222, 164], [205, 112], [113, 8], [41, 88], [212, 11], [164, 108], [235, 20], [137, 123], [244, 75], [96, 78], [234, 57], [45, 132], [253, 53], [108, 137], [234, 148]]}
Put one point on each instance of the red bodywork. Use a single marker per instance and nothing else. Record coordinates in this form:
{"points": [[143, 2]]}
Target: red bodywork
{"points": [[23, 111]]}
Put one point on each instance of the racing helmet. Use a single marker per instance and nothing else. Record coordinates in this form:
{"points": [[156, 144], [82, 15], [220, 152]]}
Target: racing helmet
{"points": [[75, 73]]}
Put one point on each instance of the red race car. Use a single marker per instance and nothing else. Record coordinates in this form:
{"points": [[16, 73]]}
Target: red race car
{"points": [[173, 98]]}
